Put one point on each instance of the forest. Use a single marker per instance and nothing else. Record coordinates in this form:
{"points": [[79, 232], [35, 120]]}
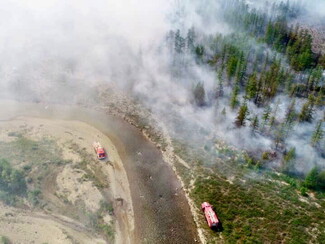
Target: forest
{"points": [[267, 59]]}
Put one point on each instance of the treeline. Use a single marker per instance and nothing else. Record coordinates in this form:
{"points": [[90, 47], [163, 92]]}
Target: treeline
{"points": [[271, 27]]}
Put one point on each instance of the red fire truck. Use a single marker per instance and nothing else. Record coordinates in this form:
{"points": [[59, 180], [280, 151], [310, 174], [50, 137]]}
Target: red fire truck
{"points": [[99, 150], [210, 215]]}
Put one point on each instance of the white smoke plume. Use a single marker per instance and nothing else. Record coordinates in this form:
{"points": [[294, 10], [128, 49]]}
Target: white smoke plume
{"points": [[62, 47]]}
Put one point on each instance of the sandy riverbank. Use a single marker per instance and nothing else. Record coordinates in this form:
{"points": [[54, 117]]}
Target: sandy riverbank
{"points": [[67, 184]]}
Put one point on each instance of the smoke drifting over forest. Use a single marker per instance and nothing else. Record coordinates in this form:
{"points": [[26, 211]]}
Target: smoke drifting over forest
{"points": [[57, 47]]}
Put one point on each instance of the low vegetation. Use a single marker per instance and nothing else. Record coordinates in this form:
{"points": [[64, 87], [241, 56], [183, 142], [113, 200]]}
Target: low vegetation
{"points": [[96, 220], [12, 183], [4, 240], [257, 206]]}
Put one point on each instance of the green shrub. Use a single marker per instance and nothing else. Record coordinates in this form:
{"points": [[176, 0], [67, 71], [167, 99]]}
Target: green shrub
{"points": [[265, 155], [12, 183], [4, 240], [33, 196], [303, 191], [315, 179]]}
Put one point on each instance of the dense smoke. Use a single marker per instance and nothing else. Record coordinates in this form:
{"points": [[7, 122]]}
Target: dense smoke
{"points": [[53, 49], [47, 45]]}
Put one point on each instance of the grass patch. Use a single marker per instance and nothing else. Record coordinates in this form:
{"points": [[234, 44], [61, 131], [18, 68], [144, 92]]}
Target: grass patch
{"points": [[30, 163], [4, 240], [96, 220]]}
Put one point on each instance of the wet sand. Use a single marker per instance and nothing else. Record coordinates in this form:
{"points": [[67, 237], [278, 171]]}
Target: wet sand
{"points": [[161, 211]]}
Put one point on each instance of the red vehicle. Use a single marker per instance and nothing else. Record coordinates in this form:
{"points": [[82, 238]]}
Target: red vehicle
{"points": [[210, 215], [99, 150]]}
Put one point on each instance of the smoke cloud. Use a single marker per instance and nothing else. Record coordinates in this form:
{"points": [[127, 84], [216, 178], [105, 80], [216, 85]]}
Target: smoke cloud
{"points": [[51, 49]]}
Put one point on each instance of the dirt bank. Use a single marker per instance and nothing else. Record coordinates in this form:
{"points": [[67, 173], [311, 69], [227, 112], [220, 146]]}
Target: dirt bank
{"points": [[161, 211]]}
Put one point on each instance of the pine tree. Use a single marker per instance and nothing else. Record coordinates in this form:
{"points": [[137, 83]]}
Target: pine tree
{"points": [[315, 78], [234, 97], [259, 86], [241, 69], [199, 51], [242, 115], [289, 158], [266, 114], [179, 42], [219, 90], [251, 88], [199, 94], [231, 66], [190, 40], [170, 39], [223, 112], [255, 123], [274, 114], [279, 135], [291, 113], [318, 134], [321, 180], [306, 114], [312, 178]]}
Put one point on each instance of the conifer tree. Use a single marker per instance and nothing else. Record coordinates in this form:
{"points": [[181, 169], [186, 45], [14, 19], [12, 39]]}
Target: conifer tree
{"points": [[199, 94], [179, 42], [251, 88], [231, 66], [219, 90], [291, 113], [318, 134], [242, 115], [266, 114], [223, 112], [234, 97], [274, 114], [199, 52], [289, 158], [306, 114], [279, 135], [255, 124], [190, 39], [311, 178]]}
